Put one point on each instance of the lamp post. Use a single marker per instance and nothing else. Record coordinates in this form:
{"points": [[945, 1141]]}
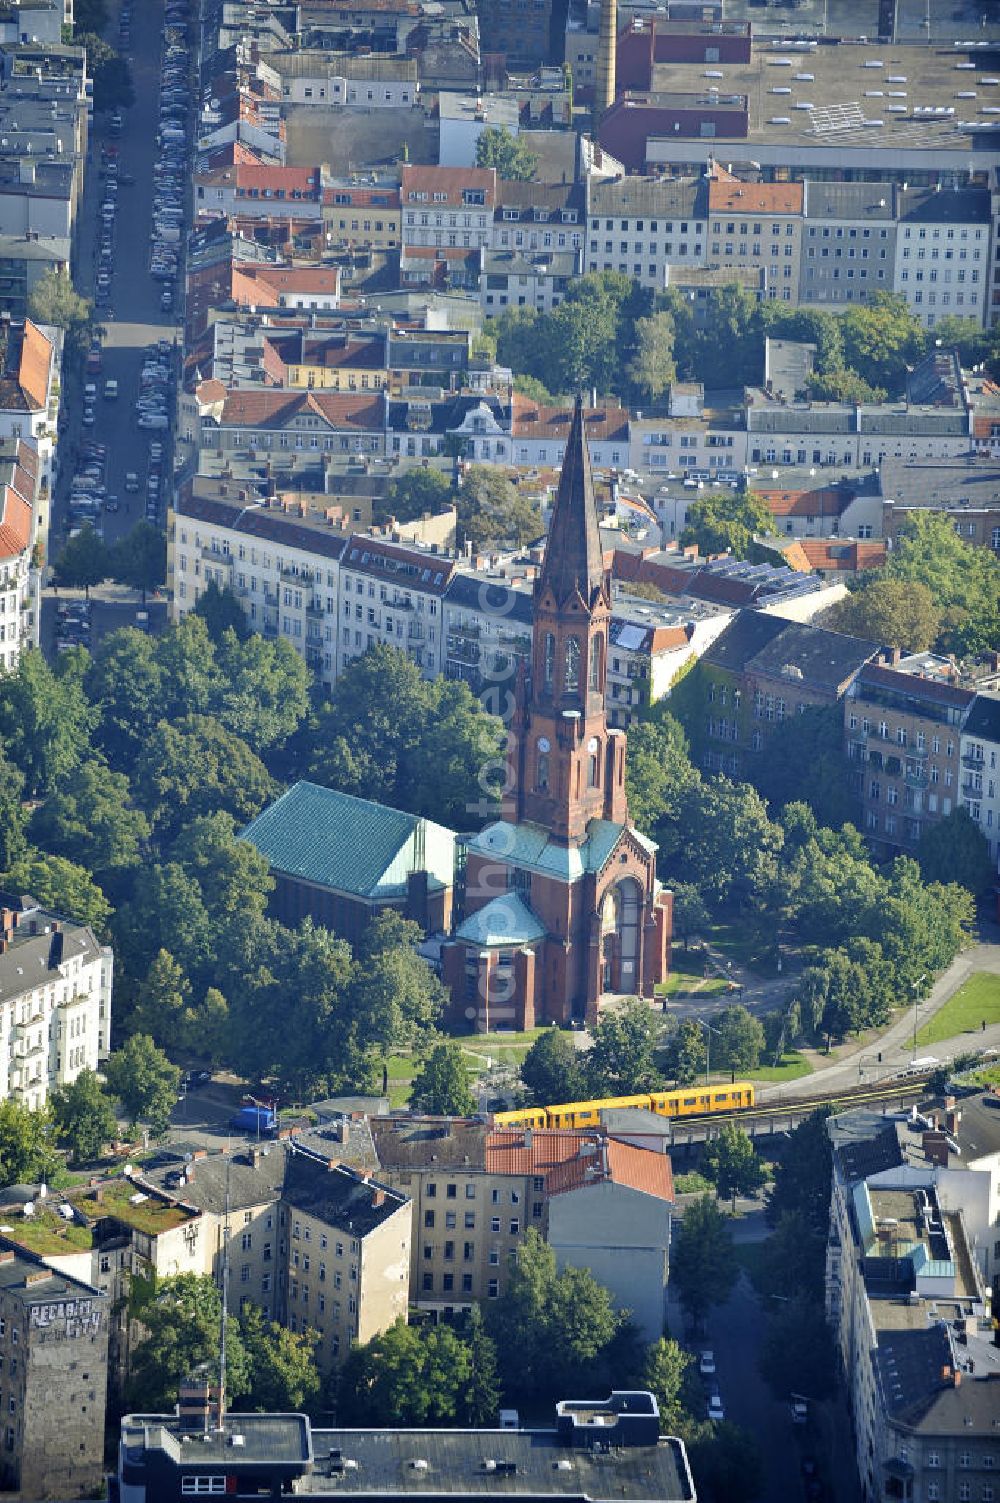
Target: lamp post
{"points": [[709, 1030], [916, 1004]]}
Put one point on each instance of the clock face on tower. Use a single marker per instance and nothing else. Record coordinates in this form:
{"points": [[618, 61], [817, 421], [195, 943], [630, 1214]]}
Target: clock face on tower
{"points": [[543, 744]]}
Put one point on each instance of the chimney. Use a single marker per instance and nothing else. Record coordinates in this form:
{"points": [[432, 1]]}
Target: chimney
{"points": [[892, 655], [528, 1137], [935, 1147], [604, 93], [378, 1198]]}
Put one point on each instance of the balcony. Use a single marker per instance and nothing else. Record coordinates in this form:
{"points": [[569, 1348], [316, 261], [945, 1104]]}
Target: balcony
{"points": [[972, 762], [270, 630], [969, 789], [915, 777], [314, 608]]}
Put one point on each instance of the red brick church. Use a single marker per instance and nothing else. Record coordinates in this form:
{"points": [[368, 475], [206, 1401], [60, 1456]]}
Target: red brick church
{"points": [[560, 897]]}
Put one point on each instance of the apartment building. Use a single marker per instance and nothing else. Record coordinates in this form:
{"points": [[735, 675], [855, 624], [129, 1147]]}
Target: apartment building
{"points": [[260, 192], [647, 227], [539, 432], [757, 224], [311, 1238], [910, 1222], [330, 422], [22, 523], [318, 79], [760, 672], [392, 594], [513, 279], [601, 1203], [362, 215], [335, 360], [53, 1379], [533, 217], [980, 754], [24, 260], [447, 207], [30, 362], [943, 252], [55, 1000], [848, 242], [903, 726], [964, 487]]}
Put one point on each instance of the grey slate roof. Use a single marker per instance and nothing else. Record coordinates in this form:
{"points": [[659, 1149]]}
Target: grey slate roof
{"points": [[337, 1196], [33, 959], [742, 639], [984, 718], [825, 659]]}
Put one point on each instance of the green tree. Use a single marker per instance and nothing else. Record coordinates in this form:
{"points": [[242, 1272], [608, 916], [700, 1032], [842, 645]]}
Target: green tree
{"points": [[45, 721], [27, 1155], [964, 334], [802, 1175], [388, 734], [125, 684], [90, 820], [141, 1077], [13, 814], [195, 766], [234, 877], [896, 612], [882, 337], [729, 847], [84, 1118], [956, 850], [549, 1328], [291, 1021], [407, 1375], [703, 1267], [191, 682], [83, 562], [500, 148], [727, 522], [651, 369], [552, 1069], [727, 349], [414, 493], [796, 1355], [283, 1377], [263, 689], [166, 909], [664, 1372], [181, 1318], [727, 1465], [395, 995], [60, 885], [732, 1163], [691, 916], [659, 778], [139, 559], [481, 1399], [441, 1085], [806, 764], [620, 1061], [964, 580], [685, 1054], [739, 1040], [161, 1004], [492, 510], [842, 386], [54, 300], [220, 609], [112, 76]]}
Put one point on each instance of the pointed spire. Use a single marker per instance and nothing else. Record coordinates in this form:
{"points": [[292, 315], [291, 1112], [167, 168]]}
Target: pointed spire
{"points": [[574, 560]]}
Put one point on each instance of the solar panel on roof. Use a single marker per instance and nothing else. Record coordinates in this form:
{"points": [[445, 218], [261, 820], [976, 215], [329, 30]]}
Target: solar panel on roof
{"points": [[630, 637]]}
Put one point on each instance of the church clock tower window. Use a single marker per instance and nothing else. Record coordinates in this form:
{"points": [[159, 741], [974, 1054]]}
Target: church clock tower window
{"points": [[595, 664], [571, 682], [550, 658], [593, 762], [542, 765]]}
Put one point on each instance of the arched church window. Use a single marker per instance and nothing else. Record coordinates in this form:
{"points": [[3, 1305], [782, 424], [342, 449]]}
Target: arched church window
{"points": [[571, 680], [593, 762], [542, 765], [550, 658], [595, 663]]}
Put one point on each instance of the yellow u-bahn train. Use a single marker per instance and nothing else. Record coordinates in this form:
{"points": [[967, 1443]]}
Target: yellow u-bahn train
{"points": [[688, 1101]]}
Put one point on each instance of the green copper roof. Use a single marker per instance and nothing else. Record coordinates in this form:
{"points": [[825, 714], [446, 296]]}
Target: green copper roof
{"points": [[531, 846], [507, 920], [347, 843]]}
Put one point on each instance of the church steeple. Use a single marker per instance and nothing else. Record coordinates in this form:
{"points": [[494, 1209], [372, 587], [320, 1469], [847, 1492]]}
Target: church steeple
{"points": [[574, 562], [567, 767]]}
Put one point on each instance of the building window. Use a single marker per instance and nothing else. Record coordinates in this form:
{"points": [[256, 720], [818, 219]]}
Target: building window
{"points": [[493, 1289]]}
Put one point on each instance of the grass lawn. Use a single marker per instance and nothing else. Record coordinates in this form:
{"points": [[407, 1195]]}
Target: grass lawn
{"points": [[693, 1184], [690, 983], [505, 1049], [977, 999], [791, 1066]]}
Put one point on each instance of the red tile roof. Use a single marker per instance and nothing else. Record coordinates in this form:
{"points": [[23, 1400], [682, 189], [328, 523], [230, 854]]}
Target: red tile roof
{"points": [[362, 411], [449, 181], [570, 1160], [822, 501], [533, 420], [734, 197], [843, 556], [15, 524]]}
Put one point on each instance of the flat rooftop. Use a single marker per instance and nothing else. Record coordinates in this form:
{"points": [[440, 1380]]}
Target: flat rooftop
{"points": [[505, 1463], [850, 85]]}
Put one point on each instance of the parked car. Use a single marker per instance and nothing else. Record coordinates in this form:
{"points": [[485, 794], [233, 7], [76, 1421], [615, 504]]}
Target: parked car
{"points": [[715, 1408]]}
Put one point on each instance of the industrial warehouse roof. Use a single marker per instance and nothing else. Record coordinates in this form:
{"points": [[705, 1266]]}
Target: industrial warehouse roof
{"points": [[349, 844]]}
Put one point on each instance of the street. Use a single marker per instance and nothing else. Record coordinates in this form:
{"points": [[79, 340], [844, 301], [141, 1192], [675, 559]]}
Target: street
{"points": [[136, 322]]}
